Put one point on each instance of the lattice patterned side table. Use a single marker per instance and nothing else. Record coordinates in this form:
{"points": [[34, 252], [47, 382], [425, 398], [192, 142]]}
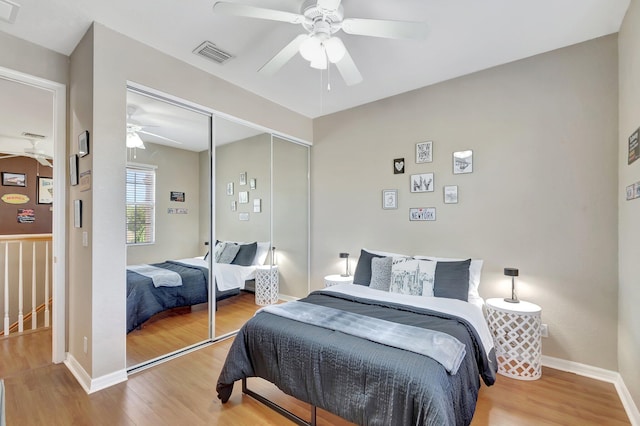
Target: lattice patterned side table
{"points": [[330, 280], [267, 285], [516, 330]]}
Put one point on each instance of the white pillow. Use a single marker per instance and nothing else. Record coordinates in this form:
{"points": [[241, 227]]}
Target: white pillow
{"points": [[261, 253], [475, 269], [412, 276]]}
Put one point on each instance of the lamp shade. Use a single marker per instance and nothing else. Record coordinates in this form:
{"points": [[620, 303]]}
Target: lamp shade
{"points": [[134, 141], [344, 255], [511, 272], [311, 48], [335, 49]]}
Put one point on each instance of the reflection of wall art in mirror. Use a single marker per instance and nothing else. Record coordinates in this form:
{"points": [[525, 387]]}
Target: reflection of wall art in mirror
{"points": [[389, 199], [177, 196], [631, 192], [398, 166], [234, 206], [83, 143], [77, 213], [422, 213], [84, 181], [243, 197], [14, 179], [422, 182], [450, 194], [257, 205], [45, 190], [230, 188], [424, 152], [462, 162], [252, 183], [26, 215], [243, 178], [243, 216], [73, 170]]}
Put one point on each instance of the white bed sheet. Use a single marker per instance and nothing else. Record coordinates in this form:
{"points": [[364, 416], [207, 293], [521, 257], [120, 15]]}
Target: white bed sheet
{"points": [[227, 276]]}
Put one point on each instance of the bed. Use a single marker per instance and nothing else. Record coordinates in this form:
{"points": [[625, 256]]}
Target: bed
{"points": [[154, 288], [375, 353]]}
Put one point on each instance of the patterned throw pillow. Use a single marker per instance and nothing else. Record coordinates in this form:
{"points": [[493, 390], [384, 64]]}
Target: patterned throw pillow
{"points": [[381, 273], [229, 253], [217, 251], [412, 276]]}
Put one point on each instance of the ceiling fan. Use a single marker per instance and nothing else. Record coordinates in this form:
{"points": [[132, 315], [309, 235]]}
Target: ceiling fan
{"points": [[134, 130], [31, 152], [322, 19]]}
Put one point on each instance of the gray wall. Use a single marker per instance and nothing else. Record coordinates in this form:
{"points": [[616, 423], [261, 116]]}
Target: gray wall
{"points": [[542, 196], [629, 211], [177, 236]]}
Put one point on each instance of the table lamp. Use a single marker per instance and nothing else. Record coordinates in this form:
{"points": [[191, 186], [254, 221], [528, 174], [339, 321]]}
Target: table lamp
{"points": [[512, 272]]}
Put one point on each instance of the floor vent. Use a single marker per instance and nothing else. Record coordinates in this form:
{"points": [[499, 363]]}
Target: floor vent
{"points": [[210, 51]]}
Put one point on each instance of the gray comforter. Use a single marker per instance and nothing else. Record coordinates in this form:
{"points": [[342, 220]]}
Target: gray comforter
{"points": [[362, 381]]}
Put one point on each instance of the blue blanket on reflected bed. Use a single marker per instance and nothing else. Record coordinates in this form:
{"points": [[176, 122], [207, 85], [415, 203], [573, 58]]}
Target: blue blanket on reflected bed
{"points": [[145, 300]]}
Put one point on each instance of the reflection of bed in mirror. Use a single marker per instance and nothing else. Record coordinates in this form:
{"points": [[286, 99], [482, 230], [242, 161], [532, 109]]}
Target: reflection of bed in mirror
{"points": [[157, 287]]}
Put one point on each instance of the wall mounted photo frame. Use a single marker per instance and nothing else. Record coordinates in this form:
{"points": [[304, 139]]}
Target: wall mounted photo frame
{"points": [[234, 206], [252, 183], [424, 152], [243, 178], [176, 196], [73, 170], [450, 194], [45, 190], [634, 146], [257, 205], [83, 143], [398, 166], [230, 188], [243, 216], [462, 162], [77, 213], [422, 214], [14, 179], [389, 199], [243, 197], [422, 182]]}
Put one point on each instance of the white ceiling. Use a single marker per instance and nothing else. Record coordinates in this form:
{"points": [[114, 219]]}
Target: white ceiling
{"points": [[465, 36]]}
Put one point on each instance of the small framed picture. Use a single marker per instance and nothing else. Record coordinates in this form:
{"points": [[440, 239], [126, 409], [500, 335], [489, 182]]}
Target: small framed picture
{"points": [[243, 178], [252, 183], [73, 169], [424, 152], [389, 199], [230, 188], [14, 179], [243, 216], [631, 192], [422, 213], [177, 196], [45, 190], [77, 213], [243, 197], [637, 186], [234, 206], [398, 166], [462, 162], [450, 194], [257, 205], [83, 143], [422, 182]]}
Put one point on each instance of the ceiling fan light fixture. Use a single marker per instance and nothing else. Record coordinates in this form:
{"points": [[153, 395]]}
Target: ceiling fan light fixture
{"points": [[335, 49], [320, 62], [311, 48], [134, 141]]}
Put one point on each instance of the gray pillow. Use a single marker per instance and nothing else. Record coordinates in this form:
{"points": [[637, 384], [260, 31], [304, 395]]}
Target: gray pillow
{"points": [[452, 280], [362, 275], [246, 254], [229, 253], [381, 273]]}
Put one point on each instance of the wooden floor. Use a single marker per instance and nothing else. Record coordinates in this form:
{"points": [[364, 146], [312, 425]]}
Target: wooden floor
{"points": [[182, 391]]}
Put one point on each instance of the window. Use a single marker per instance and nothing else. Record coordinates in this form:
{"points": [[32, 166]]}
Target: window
{"points": [[141, 203]]}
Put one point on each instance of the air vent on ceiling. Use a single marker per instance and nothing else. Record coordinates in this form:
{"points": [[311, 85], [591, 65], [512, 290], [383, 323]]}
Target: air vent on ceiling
{"points": [[32, 135], [213, 53]]}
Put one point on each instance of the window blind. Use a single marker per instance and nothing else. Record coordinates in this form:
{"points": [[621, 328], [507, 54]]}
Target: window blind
{"points": [[141, 189]]}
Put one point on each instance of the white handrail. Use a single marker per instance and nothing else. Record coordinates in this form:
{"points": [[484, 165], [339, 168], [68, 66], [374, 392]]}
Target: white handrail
{"points": [[6, 289]]}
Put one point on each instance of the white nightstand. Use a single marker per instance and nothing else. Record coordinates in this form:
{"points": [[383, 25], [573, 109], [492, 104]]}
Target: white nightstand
{"points": [[267, 285], [330, 280], [516, 330]]}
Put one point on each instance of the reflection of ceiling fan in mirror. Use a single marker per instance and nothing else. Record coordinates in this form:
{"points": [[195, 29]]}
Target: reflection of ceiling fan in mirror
{"points": [[322, 19], [134, 130], [31, 152]]}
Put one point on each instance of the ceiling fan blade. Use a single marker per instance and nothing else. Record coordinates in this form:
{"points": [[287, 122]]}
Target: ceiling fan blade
{"points": [[43, 161], [9, 156], [282, 57], [386, 29], [329, 4], [348, 70], [158, 136], [235, 9]]}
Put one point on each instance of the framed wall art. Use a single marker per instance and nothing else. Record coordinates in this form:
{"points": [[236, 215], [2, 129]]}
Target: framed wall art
{"points": [[462, 162], [83, 143], [252, 183], [45, 190], [424, 152], [389, 199], [243, 178], [422, 182], [176, 196], [230, 188], [398, 166], [243, 197], [73, 169], [422, 214], [450, 194], [14, 179]]}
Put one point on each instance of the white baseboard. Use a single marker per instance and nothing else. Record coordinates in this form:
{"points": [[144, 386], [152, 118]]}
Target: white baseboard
{"points": [[93, 385], [287, 298], [598, 374]]}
